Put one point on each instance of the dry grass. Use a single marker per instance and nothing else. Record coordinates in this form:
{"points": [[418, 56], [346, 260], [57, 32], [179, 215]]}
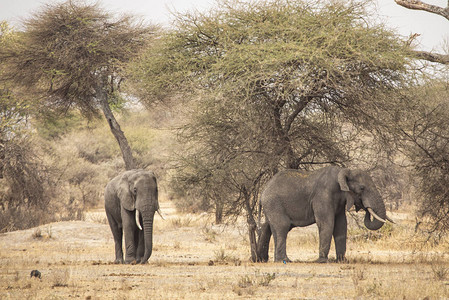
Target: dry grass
{"points": [[193, 259]]}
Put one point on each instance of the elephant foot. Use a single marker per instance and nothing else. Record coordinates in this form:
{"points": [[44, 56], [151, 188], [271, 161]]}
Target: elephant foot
{"points": [[322, 260], [342, 259], [285, 260], [130, 262], [141, 261], [118, 261]]}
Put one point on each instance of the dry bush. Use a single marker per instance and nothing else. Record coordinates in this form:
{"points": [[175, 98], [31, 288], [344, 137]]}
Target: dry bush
{"points": [[220, 257], [37, 234], [181, 222], [210, 235], [60, 278], [28, 185], [247, 283]]}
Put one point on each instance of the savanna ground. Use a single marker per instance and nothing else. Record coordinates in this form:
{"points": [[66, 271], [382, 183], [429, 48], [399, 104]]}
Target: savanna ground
{"points": [[193, 259]]}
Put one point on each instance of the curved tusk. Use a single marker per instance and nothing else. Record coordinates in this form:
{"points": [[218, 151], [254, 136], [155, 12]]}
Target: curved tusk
{"points": [[389, 219], [138, 219], [160, 213], [371, 211]]}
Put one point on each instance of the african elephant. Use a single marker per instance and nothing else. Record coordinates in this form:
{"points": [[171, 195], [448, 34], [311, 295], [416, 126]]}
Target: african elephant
{"points": [[295, 198], [131, 199]]}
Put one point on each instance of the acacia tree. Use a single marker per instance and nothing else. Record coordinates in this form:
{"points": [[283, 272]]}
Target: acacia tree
{"points": [[276, 84], [75, 54]]}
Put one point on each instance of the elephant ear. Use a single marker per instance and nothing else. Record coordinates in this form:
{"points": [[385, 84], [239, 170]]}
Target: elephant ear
{"points": [[342, 179], [343, 182], [349, 200], [124, 194]]}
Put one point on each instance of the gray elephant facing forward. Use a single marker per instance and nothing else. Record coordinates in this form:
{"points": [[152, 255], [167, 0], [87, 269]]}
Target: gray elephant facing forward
{"points": [[294, 198], [131, 199]]}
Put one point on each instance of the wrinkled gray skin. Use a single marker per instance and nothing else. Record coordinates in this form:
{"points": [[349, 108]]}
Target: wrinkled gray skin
{"points": [[295, 198], [125, 194]]}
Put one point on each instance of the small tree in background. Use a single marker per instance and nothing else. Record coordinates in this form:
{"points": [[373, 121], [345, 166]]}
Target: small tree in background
{"points": [[276, 84], [74, 54]]}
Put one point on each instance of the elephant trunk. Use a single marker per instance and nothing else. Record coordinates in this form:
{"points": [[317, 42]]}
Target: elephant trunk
{"points": [[148, 218], [375, 211]]}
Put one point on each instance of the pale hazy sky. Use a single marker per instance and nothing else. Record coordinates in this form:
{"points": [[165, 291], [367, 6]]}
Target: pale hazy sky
{"points": [[434, 29]]}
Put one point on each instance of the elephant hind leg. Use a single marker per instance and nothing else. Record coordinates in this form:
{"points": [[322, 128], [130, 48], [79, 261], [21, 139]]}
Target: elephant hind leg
{"points": [[263, 242], [325, 230], [117, 232]]}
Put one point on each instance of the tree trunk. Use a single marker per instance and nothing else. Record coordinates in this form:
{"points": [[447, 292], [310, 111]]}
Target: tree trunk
{"points": [[283, 131], [252, 227], [128, 158], [218, 212], [253, 241], [2, 158]]}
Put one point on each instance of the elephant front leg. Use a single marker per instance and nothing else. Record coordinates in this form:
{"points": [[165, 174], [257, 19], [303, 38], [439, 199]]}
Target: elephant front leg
{"points": [[130, 232], [325, 231], [340, 235], [118, 247], [140, 245], [130, 246]]}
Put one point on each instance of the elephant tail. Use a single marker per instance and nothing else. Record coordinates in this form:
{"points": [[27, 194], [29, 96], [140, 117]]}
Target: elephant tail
{"points": [[260, 215]]}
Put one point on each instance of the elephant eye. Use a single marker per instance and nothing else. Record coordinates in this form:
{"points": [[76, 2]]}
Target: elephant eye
{"points": [[135, 190], [362, 187]]}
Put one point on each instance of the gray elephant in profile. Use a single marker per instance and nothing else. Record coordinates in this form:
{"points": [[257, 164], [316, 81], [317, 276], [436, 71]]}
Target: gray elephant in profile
{"points": [[131, 199], [294, 198]]}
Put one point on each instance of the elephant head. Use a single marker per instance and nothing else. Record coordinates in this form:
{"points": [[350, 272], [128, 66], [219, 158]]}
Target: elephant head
{"points": [[138, 192], [361, 191]]}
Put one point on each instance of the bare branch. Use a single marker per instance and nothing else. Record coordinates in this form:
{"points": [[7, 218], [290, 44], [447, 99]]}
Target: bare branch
{"points": [[433, 57], [419, 5], [444, 12]]}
